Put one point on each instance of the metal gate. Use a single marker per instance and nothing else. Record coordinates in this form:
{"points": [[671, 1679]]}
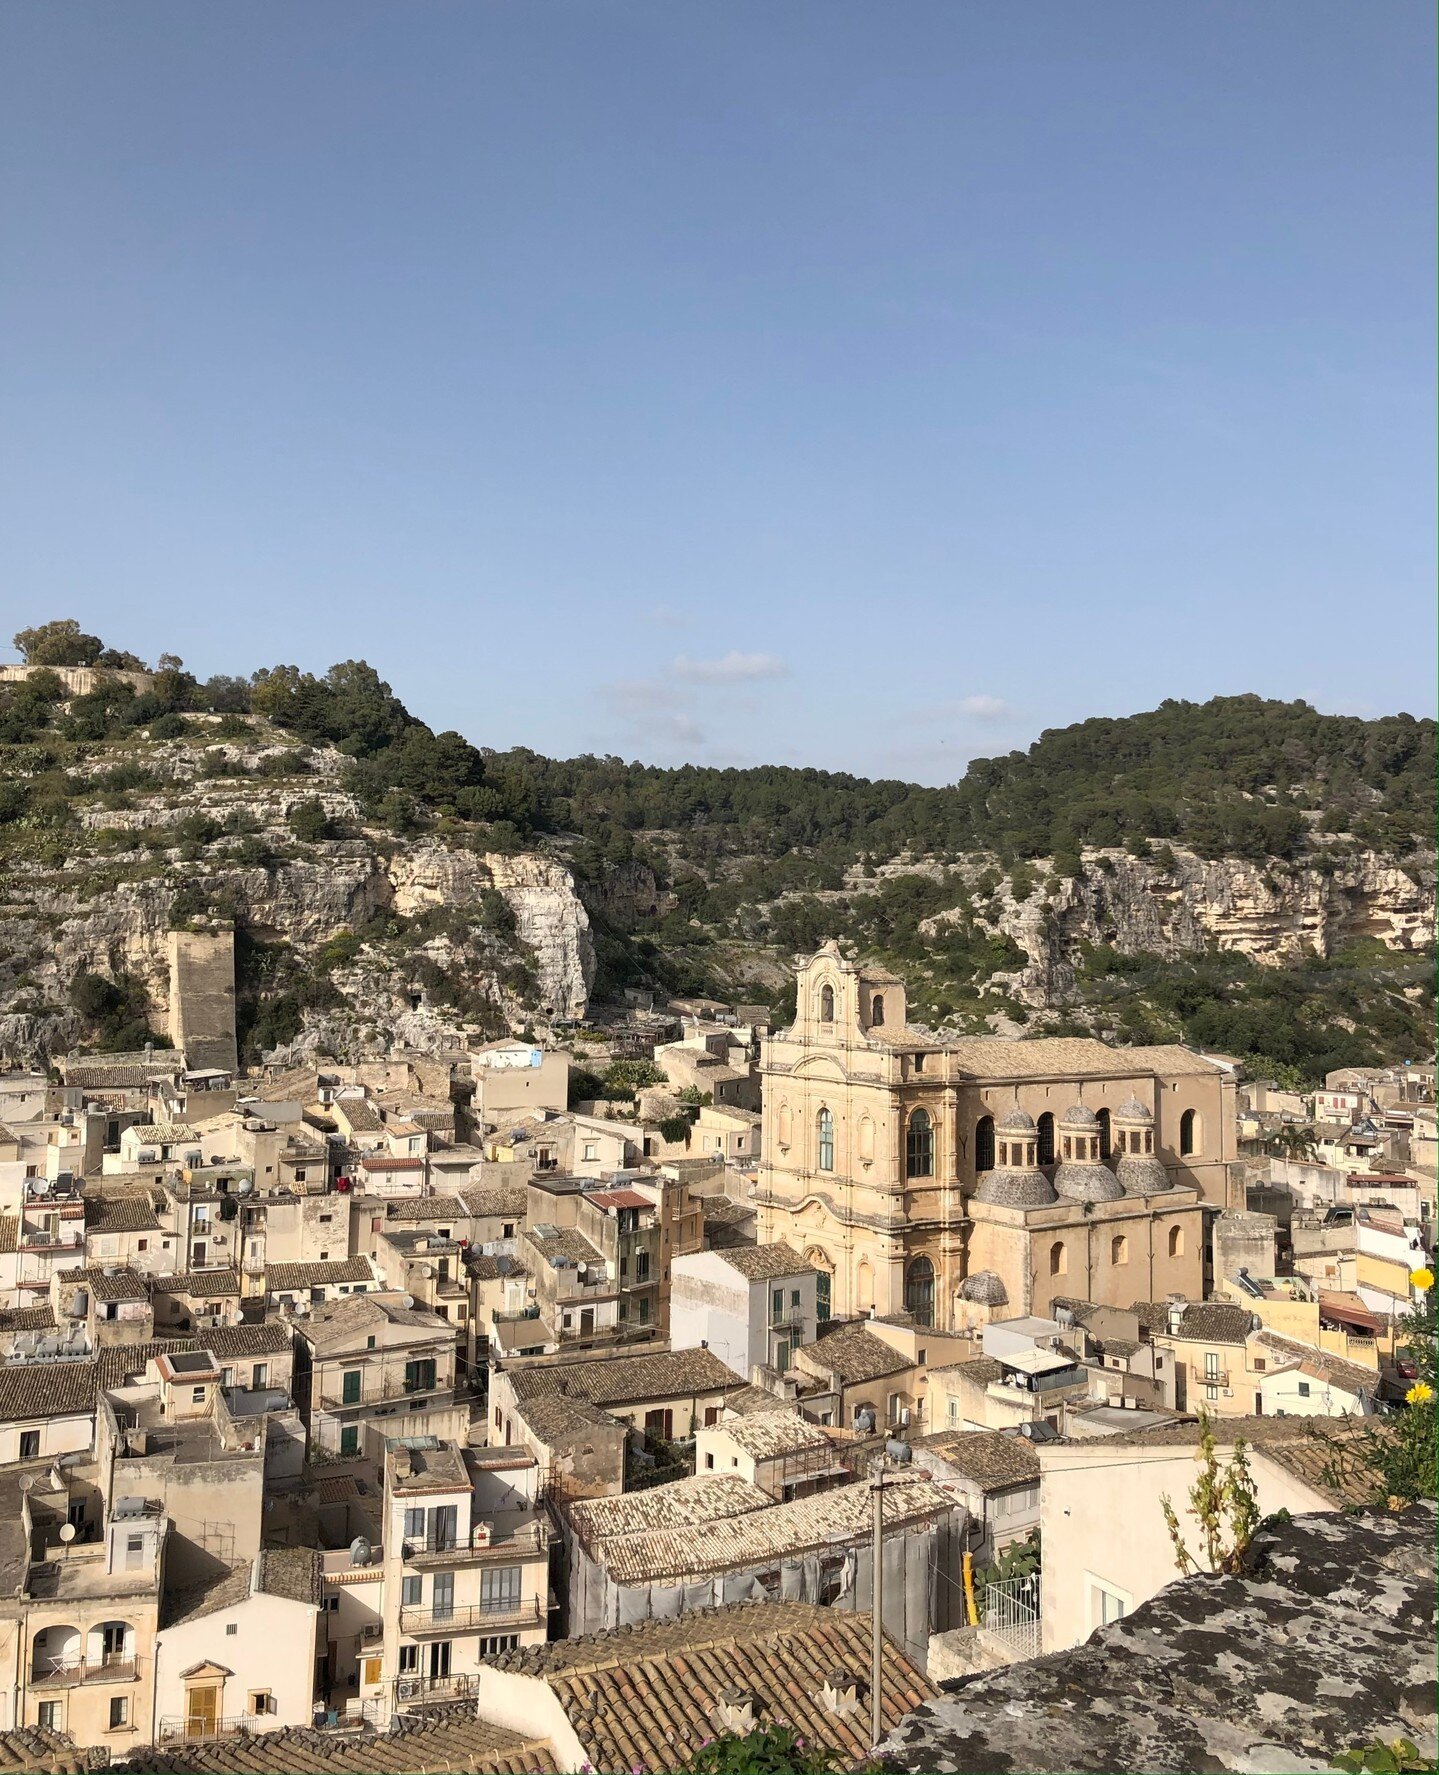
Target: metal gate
{"points": [[1011, 1614]]}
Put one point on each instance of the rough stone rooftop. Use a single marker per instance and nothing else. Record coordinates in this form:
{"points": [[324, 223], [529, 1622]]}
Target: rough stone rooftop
{"points": [[1326, 1643]]}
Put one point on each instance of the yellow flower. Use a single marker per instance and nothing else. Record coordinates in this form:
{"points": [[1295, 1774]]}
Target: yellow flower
{"points": [[1423, 1280], [1419, 1394]]}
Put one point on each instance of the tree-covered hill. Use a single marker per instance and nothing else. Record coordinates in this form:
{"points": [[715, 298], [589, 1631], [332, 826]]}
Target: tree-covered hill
{"points": [[999, 896]]}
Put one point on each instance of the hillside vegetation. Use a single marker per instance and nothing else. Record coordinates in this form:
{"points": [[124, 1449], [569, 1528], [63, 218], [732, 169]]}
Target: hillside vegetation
{"points": [[700, 879]]}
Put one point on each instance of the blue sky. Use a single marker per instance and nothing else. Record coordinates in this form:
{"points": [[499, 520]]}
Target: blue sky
{"points": [[861, 386]]}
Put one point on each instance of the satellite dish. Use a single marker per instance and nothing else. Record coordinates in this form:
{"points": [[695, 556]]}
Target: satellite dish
{"points": [[27, 1481], [67, 1532], [407, 1300]]}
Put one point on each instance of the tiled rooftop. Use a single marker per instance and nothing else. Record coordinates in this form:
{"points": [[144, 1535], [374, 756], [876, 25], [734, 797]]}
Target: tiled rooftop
{"points": [[640, 1698], [704, 1498], [854, 1354], [829, 1519], [34, 1390], [763, 1263], [992, 1460], [623, 1380], [442, 1739], [280, 1277], [200, 1284], [130, 1212], [769, 1435]]}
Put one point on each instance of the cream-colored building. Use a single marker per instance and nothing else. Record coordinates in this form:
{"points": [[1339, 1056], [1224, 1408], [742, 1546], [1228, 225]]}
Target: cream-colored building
{"points": [[905, 1165], [463, 1583], [1106, 1544]]}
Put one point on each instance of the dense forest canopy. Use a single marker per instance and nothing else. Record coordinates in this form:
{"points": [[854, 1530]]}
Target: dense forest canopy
{"points": [[1235, 776]]}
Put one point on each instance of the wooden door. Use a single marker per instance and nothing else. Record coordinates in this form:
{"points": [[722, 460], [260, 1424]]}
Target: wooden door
{"points": [[202, 1711]]}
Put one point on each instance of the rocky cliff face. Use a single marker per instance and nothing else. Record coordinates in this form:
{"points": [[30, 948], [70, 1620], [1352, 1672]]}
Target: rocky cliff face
{"points": [[449, 940], [1276, 913]]}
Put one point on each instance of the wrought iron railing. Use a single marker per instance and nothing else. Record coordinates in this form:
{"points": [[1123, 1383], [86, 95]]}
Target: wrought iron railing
{"points": [[201, 1725], [53, 1673], [473, 1617], [1011, 1614]]}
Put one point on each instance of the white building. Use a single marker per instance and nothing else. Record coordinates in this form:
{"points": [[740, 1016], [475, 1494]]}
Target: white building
{"points": [[753, 1305]]}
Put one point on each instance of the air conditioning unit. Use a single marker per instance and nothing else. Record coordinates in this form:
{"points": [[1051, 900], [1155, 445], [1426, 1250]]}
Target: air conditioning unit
{"points": [[407, 1688], [1229, 1392]]}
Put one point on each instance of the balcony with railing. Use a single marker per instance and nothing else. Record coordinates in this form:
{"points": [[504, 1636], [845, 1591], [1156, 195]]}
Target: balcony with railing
{"points": [[416, 1690], [478, 1617], [200, 1725], [522, 1540], [64, 1673], [379, 1390]]}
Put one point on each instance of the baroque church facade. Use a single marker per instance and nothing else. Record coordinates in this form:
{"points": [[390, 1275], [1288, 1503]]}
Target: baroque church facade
{"points": [[957, 1180]]}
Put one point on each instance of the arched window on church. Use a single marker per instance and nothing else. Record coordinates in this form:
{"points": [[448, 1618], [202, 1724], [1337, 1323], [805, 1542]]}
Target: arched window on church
{"points": [[1119, 1249], [1188, 1134], [1176, 1241], [824, 1123], [919, 1146], [984, 1144], [1058, 1258], [1102, 1117], [1046, 1139], [826, 1004], [919, 1291], [876, 1011]]}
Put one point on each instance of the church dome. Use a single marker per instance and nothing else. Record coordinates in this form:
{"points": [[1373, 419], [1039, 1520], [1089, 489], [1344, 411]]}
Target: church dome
{"points": [[1082, 1175], [1087, 1180], [1140, 1170], [1142, 1174], [984, 1289], [1017, 1121], [1015, 1186]]}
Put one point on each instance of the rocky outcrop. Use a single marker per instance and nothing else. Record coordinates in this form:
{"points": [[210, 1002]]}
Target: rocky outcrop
{"points": [[553, 925], [538, 964], [1274, 912]]}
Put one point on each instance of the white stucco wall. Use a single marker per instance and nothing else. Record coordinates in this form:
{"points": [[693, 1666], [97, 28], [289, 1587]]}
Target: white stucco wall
{"points": [[272, 1647]]}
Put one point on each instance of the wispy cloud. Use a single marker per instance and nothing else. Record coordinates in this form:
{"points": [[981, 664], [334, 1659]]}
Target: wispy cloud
{"points": [[646, 708], [985, 708], [966, 711], [730, 668]]}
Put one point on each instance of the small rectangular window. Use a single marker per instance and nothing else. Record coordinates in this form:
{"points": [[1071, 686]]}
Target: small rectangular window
{"points": [[48, 1716], [29, 1445], [261, 1701], [412, 1592]]}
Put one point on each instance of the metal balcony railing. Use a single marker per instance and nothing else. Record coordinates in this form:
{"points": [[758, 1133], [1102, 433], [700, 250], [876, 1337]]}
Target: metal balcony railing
{"points": [[530, 1540], [62, 1673], [388, 1387], [415, 1689], [480, 1617], [199, 1725]]}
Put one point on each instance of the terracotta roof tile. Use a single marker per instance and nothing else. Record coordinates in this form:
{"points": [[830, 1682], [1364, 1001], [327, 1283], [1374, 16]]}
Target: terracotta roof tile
{"points": [[281, 1276]]}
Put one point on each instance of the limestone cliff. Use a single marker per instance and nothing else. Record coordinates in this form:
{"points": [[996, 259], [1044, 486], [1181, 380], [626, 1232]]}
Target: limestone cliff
{"points": [[443, 940], [1274, 912]]}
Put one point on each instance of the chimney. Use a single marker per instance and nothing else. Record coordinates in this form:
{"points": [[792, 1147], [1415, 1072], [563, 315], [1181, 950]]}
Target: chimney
{"points": [[840, 1694], [733, 1712]]}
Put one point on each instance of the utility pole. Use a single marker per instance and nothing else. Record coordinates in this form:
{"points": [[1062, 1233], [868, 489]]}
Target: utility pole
{"points": [[876, 1656]]}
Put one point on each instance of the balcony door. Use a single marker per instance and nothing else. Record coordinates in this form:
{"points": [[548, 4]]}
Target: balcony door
{"points": [[439, 1660], [202, 1711]]}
